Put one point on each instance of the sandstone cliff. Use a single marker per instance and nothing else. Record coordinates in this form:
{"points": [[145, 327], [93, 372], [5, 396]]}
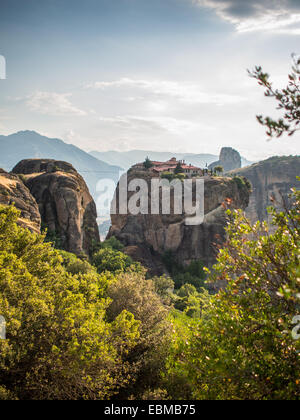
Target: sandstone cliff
{"points": [[229, 159], [148, 237], [13, 191], [274, 178], [65, 204]]}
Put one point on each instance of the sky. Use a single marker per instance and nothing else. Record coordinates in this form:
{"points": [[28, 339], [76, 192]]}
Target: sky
{"points": [[163, 75]]}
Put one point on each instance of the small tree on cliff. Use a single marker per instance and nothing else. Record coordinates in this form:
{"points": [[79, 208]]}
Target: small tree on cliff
{"points": [[288, 101], [148, 164], [219, 169], [178, 169]]}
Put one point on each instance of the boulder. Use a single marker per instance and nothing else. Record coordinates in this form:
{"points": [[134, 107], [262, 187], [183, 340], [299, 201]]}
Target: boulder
{"points": [[66, 207]]}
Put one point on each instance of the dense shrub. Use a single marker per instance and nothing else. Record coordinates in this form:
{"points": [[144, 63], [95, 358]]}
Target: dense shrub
{"points": [[107, 259], [170, 176], [59, 343], [242, 346], [193, 273], [112, 243], [137, 294]]}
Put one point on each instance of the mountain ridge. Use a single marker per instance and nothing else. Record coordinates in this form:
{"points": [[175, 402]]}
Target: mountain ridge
{"points": [[32, 145]]}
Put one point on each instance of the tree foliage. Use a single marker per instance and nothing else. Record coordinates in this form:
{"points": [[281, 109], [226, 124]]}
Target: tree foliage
{"points": [[107, 259], [178, 169], [242, 347], [288, 101], [147, 163], [134, 293], [59, 344], [218, 169]]}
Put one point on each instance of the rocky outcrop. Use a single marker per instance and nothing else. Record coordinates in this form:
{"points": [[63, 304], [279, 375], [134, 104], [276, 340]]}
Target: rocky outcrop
{"points": [[148, 237], [29, 145], [65, 204], [14, 192], [229, 159], [271, 180]]}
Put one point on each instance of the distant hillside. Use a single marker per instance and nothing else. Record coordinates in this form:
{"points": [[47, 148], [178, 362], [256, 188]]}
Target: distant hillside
{"points": [[127, 159], [29, 145]]}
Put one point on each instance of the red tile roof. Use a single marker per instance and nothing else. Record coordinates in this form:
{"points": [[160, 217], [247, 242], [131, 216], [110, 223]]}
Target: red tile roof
{"points": [[170, 164]]}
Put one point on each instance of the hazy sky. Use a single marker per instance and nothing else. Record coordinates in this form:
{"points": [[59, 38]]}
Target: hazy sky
{"points": [[146, 74]]}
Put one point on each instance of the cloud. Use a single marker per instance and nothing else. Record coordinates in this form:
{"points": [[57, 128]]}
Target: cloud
{"points": [[51, 103], [154, 124], [280, 16], [189, 93]]}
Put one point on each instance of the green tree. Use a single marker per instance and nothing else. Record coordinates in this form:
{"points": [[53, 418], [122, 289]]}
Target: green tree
{"points": [[219, 169], [288, 100], [107, 259], [191, 301], [242, 347], [178, 169], [59, 343], [164, 287], [112, 243], [75, 265], [132, 292], [147, 163], [192, 274]]}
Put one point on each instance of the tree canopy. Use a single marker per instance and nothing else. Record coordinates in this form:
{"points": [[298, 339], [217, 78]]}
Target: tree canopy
{"points": [[242, 347], [288, 101]]}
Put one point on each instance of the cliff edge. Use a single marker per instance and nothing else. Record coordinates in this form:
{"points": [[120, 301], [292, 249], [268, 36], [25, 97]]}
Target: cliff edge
{"points": [[271, 180], [65, 205], [148, 237]]}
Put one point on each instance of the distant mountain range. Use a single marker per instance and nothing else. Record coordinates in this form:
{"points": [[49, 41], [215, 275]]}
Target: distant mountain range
{"points": [[127, 159], [92, 166], [29, 144]]}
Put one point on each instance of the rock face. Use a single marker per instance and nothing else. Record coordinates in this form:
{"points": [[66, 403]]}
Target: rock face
{"points": [[148, 237], [229, 159], [274, 178], [13, 191], [65, 204]]}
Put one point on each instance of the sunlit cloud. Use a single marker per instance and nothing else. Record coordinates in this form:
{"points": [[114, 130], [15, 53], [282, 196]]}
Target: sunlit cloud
{"points": [[280, 16], [186, 92], [51, 103], [153, 123]]}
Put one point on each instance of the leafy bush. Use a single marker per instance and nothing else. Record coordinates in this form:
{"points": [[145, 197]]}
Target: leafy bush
{"points": [[242, 346], [112, 243], [170, 176], [75, 265], [191, 301], [241, 181], [164, 287], [59, 344], [52, 236], [192, 274], [134, 293], [109, 260]]}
